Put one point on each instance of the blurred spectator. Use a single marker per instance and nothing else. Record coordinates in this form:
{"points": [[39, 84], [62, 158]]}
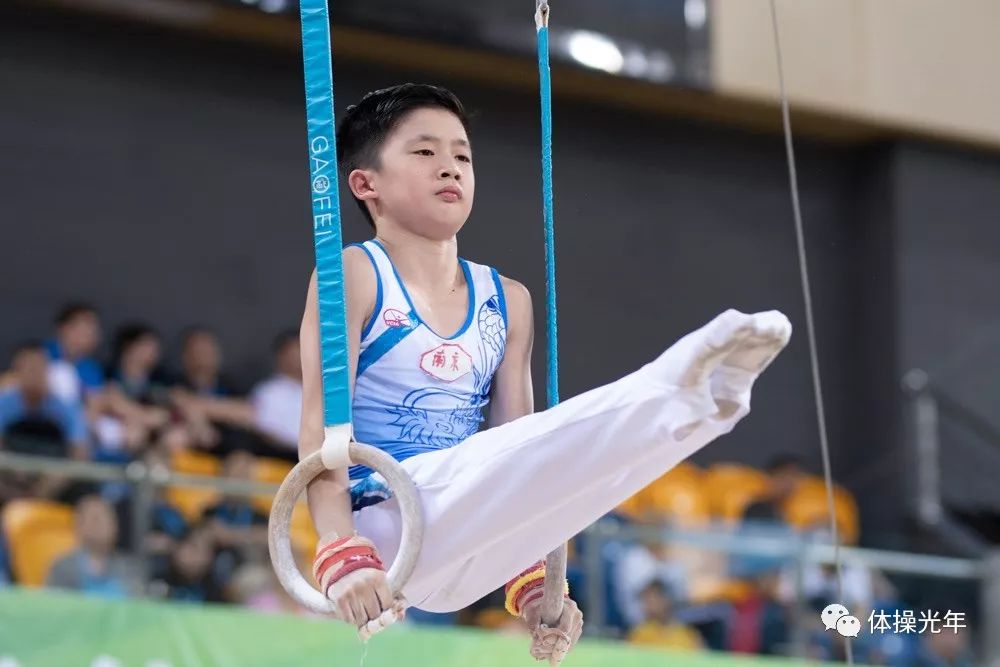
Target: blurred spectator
{"points": [[132, 408], [168, 526], [212, 416], [32, 419], [95, 568], [267, 425], [201, 363], [638, 565], [819, 581], [135, 367], [277, 401], [253, 586], [820, 588], [189, 577], [945, 649], [234, 521], [658, 627], [758, 623], [256, 587], [785, 474], [239, 530], [75, 372]]}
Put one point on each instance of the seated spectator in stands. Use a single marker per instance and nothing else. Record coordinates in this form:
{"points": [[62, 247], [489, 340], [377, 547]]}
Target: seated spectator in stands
{"points": [[201, 364], [32, 419], [136, 365], [819, 582], [213, 416], [133, 407], [267, 424], [75, 372], [758, 622], [167, 526], [238, 529], [234, 521], [278, 401], [947, 648], [95, 568], [189, 576], [256, 587], [636, 567], [658, 627], [785, 474]]}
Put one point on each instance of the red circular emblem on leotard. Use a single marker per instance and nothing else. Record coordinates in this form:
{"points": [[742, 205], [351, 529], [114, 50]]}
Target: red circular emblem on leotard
{"points": [[448, 362]]}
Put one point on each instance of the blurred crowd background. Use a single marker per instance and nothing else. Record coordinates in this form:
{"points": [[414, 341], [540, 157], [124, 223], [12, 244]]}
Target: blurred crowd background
{"points": [[156, 246], [169, 405]]}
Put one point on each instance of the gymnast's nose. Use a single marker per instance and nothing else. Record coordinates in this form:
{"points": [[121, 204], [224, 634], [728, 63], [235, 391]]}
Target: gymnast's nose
{"points": [[446, 174], [449, 169]]}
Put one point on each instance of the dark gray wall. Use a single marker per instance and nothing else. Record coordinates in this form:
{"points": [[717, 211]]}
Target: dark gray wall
{"points": [[166, 179], [948, 306]]}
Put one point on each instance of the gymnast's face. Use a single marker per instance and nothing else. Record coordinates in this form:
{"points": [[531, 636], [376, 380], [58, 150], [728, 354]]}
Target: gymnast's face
{"points": [[424, 181]]}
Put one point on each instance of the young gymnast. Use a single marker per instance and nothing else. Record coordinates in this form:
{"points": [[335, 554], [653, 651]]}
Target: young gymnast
{"points": [[433, 339]]}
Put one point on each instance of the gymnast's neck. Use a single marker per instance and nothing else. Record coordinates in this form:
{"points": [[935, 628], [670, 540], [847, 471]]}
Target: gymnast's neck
{"points": [[421, 262]]}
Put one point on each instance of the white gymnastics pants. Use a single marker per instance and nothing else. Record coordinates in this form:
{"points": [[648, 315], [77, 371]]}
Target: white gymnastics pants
{"points": [[507, 496]]}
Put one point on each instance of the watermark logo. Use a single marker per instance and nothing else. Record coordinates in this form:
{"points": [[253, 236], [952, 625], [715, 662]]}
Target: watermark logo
{"points": [[849, 626], [836, 617], [905, 621], [900, 622], [832, 614]]}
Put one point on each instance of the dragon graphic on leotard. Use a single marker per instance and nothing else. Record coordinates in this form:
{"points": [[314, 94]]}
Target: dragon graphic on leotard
{"points": [[419, 424]]}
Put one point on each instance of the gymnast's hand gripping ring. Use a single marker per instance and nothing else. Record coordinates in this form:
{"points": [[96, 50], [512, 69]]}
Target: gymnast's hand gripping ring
{"points": [[279, 529]]}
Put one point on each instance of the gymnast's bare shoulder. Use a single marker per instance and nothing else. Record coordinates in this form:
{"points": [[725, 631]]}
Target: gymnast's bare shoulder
{"points": [[518, 298], [512, 394], [360, 284]]}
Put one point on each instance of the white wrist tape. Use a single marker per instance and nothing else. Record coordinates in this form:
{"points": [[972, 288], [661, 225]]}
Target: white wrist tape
{"points": [[335, 452]]}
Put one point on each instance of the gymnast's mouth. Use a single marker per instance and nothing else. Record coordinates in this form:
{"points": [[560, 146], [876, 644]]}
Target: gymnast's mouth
{"points": [[450, 193]]}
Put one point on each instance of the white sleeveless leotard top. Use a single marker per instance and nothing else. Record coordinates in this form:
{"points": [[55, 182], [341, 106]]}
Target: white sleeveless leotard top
{"points": [[417, 391]]}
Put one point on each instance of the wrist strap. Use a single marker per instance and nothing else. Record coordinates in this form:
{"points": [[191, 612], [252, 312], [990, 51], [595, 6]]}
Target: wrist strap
{"points": [[533, 576], [342, 556], [526, 587]]}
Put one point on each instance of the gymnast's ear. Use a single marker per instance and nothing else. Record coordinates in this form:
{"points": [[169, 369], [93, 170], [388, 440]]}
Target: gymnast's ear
{"points": [[362, 184]]}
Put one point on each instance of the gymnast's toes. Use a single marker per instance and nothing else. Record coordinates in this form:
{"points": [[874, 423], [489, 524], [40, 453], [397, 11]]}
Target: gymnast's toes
{"points": [[770, 333]]}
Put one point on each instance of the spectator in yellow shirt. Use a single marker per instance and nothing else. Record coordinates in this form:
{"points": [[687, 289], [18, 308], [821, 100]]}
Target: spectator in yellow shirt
{"points": [[658, 627]]}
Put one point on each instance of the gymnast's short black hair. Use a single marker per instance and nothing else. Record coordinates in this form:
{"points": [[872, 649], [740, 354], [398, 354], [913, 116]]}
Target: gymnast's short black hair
{"points": [[366, 125]]}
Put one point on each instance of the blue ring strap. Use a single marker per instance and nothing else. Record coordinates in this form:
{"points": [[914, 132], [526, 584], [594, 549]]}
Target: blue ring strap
{"points": [[325, 192], [545, 84]]}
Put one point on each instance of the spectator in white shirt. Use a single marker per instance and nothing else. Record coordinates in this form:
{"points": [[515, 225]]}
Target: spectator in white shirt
{"points": [[270, 418], [277, 401]]}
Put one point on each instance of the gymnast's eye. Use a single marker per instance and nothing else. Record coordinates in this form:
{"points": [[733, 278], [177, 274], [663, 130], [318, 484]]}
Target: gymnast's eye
{"points": [[425, 152], [465, 158]]}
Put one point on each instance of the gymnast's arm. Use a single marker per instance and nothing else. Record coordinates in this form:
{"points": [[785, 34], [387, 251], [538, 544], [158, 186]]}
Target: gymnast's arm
{"points": [[513, 396], [328, 494]]}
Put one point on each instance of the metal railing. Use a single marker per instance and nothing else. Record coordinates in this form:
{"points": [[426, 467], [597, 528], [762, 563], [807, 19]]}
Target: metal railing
{"points": [[144, 480], [927, 408], [799, 551]]}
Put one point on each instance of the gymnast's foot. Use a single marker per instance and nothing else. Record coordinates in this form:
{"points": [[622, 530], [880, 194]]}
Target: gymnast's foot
{"points": [[721, 361]]}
